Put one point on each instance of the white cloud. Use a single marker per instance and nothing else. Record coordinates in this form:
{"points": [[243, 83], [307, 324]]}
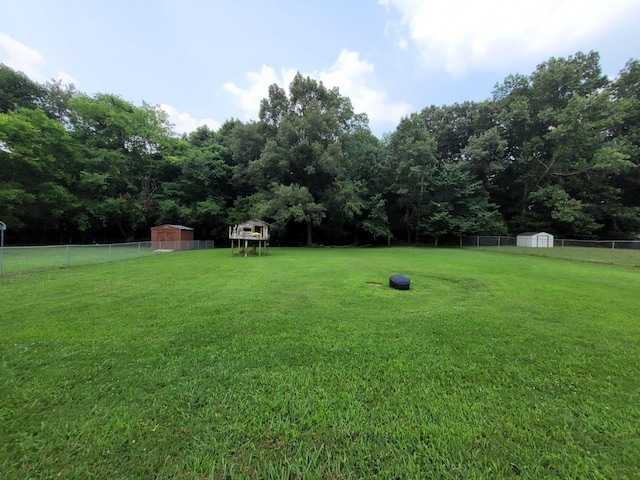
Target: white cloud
{"points": [[185, 123], [28, 61], [22, 58], [353, 76], [464, 35], [249, 98]]}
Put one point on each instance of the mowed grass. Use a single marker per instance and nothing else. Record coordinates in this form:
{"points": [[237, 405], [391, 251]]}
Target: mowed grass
{"points": [[616, 256], [296, 365]]}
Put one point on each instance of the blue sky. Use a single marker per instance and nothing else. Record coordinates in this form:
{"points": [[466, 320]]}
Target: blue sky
{"points": [[208, 61]]}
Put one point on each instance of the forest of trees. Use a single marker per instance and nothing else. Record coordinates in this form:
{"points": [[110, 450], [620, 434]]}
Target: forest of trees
{"points": [[557, 150]]}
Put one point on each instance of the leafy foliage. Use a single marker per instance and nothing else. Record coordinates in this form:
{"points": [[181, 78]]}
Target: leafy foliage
{"points": [[556, 150]]}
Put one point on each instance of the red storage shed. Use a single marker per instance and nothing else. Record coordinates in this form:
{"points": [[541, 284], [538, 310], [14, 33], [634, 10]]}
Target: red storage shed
{"points": [[171, 237]]}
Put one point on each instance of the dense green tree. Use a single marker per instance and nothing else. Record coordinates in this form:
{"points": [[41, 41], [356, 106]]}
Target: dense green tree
{"points": [[413, 162], [304, 132], [485, 158], [198, 193], [437, 197], [356, 203], [38, 172], [625, 92], [121, 146], [451, 126], [556, 150], [458, 205], [56, 101], [18, 91], [286, 203], [245, 142], [557, 125]]}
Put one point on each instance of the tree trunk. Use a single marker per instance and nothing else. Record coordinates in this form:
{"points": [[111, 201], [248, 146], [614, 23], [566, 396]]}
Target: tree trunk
{"points": [[309, 234], [128, 237]]}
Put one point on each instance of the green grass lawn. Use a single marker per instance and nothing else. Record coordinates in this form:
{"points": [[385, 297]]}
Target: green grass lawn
{"points": [[616, 256], [296, 365]]}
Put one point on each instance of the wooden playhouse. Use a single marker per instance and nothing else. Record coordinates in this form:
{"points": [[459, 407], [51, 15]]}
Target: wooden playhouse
{"points": [[251, 235]]}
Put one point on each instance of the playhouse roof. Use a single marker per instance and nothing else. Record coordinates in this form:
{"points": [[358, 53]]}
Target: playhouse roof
{"points": [[254, 221]]}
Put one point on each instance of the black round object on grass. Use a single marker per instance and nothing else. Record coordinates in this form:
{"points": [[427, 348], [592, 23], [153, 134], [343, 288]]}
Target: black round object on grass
{"points": [[399, 282]]}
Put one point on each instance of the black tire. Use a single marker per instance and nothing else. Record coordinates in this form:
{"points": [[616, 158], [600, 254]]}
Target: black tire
{"points": [[399, 282]]}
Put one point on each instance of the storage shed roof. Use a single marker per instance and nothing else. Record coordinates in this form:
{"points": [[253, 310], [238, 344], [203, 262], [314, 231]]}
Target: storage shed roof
{"points": [[531, 234], [178, 227]]}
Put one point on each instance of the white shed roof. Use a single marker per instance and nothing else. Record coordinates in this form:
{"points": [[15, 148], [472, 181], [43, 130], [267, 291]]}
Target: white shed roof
{"points": [[532, 234]]}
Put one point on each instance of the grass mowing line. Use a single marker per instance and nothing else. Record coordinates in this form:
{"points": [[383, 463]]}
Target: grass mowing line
{"points": [[198, 365]]}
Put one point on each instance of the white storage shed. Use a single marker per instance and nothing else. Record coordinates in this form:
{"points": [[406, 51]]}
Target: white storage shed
{"points": [[535, 240]]}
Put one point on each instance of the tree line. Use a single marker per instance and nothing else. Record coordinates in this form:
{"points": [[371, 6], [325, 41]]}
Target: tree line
{"points": [[557, 150]]}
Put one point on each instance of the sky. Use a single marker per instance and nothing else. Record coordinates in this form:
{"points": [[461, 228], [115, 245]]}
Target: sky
{"points": [[208, 61]]}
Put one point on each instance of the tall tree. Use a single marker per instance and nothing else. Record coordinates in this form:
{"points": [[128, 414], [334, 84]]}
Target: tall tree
{"points": [[303, 151], [624, 125], [121, 146], [412, 151], [18, 91], [199, 193], [245, 142], [458, 205], [451, 126], [38, 172], [549, 120], [286, 203], [437, 197], [356, 204]]}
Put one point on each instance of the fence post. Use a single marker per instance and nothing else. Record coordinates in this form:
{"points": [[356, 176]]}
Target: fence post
{"points": [[109, 253], [3, 227], [68, 257], [139, 244], [478, 241], [613, 252]]}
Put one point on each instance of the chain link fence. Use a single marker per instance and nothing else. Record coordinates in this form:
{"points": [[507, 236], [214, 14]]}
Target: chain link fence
{"points": [[24, 259], [619, 252]]}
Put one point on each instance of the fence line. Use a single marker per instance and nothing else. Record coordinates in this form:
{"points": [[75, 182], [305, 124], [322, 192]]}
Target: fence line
{"points": [[621, 252], [23, 259]]}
